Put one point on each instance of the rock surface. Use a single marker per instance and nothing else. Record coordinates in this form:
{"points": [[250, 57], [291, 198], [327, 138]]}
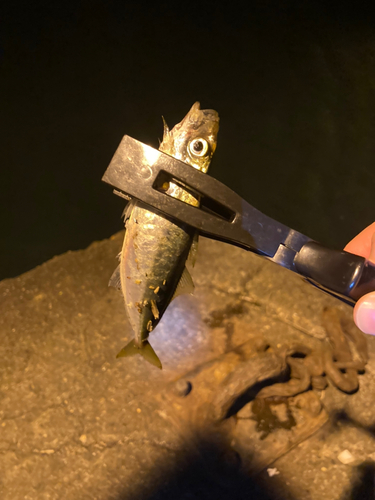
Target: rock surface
{"points": [[77, 423]]}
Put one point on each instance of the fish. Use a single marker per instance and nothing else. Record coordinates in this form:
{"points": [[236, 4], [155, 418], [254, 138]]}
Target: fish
{"points": [[152, 269]]}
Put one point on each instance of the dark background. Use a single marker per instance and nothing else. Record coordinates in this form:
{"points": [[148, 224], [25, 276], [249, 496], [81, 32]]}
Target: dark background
{"points": [[293, 82]]}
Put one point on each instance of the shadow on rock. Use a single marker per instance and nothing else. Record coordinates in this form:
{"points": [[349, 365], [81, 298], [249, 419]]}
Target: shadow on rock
{"points": [[207, 472], [341, 417], [364, 484]]}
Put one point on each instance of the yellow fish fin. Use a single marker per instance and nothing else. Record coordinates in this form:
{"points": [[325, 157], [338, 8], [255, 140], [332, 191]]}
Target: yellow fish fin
{"points": [[146, 351], [185, 285]]}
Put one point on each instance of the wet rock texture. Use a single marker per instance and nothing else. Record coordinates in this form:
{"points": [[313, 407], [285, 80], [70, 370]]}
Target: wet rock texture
{"points": [[77, 423]]}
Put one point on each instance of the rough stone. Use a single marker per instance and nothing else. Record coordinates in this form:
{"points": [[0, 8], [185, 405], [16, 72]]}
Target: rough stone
{"points": [[75, 422]]}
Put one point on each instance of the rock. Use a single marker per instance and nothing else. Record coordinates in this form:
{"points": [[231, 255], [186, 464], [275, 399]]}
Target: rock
{"points": [[345, 457], [273, 472], [69, 416]]}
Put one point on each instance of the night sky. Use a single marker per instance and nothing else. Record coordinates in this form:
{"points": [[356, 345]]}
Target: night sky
{"points": [[293, 82]]}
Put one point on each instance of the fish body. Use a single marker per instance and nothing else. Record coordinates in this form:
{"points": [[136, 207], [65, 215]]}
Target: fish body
{"points": [[152, 261]]}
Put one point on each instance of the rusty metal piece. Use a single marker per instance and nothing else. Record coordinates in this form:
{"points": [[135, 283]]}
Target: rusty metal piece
{"points": [[314, 364], [319, 382], [302, 373], [245, 382], [248, 376], [336, 336], [308, 401], [220, 408], [347, 382], [339, 365], [295, 421], [334, 361], [300, 381], [310, 370]]}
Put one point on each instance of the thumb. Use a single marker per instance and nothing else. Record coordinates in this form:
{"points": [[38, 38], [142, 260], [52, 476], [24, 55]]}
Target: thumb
{"points": [[364, 310]]}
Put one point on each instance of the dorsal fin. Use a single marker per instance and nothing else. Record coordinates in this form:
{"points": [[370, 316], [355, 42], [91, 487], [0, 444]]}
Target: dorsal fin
{"points": [[115, 280], [185, 285], [166, 130]]}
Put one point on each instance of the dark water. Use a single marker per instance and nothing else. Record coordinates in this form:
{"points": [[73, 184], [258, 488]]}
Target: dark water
{"points": [[294, 83]]}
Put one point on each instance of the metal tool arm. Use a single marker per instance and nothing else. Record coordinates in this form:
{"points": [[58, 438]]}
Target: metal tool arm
{"points": [[140, 171]]}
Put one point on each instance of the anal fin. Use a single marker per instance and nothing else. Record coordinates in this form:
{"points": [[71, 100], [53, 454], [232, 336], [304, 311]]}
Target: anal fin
{"points": [[185, 285]]}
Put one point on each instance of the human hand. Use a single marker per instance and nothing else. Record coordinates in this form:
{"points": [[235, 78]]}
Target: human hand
{"points": [[364, 311]]}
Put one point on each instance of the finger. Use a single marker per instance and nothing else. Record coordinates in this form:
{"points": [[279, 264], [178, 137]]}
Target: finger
{"points": [[361, 244], [371, 257], [364, 313]]}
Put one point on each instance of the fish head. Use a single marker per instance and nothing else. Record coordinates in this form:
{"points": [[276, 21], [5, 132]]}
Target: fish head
{"points": [[194, 139]]}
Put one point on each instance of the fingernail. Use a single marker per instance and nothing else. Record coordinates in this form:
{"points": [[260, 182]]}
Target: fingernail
{"points": [[364, 314]]}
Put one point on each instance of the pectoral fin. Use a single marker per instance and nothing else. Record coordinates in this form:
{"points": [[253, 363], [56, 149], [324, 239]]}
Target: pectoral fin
{"points": [[127, 211], [185, 285], [192, 257], [146, 351], [115, 280]]}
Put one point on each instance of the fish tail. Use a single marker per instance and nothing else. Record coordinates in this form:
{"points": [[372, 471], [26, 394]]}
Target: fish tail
{"points": [[145, 350]]}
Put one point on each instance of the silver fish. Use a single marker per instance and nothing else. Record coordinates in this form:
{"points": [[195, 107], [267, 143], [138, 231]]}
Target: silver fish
{"points": [[152, 262]]}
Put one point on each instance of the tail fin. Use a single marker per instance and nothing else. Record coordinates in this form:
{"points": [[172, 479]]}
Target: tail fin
{"points": [[146, 351]]}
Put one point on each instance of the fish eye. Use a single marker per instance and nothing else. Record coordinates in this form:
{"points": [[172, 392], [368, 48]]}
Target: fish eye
{"points": [[198, 147]]}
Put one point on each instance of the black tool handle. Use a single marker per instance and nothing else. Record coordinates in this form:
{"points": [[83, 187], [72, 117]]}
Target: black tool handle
{"points": [[340, 273]]}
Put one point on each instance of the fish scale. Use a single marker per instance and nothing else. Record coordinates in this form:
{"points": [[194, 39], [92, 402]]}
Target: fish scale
{"points": [[151, 257]]}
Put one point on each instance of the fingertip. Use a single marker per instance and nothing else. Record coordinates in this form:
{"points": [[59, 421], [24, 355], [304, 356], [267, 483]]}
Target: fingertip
{"points": [[361, 244], [371, 257], [364, 313]]}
